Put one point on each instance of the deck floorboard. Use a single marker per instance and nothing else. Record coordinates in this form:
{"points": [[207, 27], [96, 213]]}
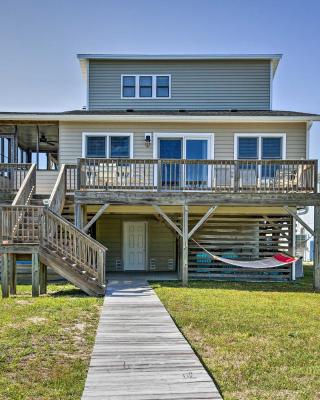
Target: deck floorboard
{"points": [[140, 354]]}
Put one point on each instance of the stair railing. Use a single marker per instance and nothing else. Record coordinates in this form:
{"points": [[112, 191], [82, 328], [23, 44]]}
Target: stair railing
{"points": [[57, 198], [20, 224], [27, 188], [86, 254]]}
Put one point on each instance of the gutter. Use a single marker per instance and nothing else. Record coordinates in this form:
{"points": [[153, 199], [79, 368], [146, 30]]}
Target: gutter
{"points": [[153, 118]]}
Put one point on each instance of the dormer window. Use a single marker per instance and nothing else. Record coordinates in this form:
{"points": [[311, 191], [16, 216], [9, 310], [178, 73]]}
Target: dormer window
{"points": [[146, 86]]}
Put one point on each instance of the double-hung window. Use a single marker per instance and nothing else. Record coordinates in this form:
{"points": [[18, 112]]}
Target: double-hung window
{"points": [[107, 145], [146, 86], [261, 147]]}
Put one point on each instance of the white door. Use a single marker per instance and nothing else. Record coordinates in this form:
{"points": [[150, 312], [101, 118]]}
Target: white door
{"points": [[134, 245]]}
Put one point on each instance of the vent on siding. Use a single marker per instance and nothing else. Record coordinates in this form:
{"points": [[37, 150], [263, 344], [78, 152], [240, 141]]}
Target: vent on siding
{"points": [[118, 265], [170, 264], [152, 264]]}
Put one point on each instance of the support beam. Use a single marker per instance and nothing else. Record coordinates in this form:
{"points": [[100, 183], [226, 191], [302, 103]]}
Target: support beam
{"points": [[96, 217], [202, 221], [292, 247], [300, 220], [185, 248], [35, 274], [13, 273], [5, 275], [167, 219], [43, 278], [316, 257]]}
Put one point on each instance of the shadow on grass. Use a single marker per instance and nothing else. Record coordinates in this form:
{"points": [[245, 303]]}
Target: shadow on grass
{"points": [[302, 285]]}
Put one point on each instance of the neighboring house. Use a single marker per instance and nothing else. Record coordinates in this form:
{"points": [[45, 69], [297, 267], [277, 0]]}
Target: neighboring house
{"points": [[169, 149]]}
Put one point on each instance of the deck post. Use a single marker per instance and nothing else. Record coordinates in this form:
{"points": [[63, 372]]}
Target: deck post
{"points": [[292, 247], [35, 274], [5, 275], [13, 273], [78, 216], [43, 278], [185, 249], [316, 256]]}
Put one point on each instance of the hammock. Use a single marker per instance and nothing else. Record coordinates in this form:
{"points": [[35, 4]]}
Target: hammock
{"points": [[277, 260]]}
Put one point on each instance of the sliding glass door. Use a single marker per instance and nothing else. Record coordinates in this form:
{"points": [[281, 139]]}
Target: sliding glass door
{"points": [[170, 149], [181, 174]]}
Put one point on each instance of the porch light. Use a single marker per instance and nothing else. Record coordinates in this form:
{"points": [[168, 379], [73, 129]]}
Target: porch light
{"points": [[147, 139]]}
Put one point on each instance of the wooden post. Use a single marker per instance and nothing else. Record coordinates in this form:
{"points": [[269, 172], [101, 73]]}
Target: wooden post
{"points": [[316, 256], [35, 274], [43, 278], [293, 248], [78, 220], [13, 273], [185, 250], [5, 275]]}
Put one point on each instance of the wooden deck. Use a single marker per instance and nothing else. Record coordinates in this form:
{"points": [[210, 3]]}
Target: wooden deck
{"points": [[139, 352]]}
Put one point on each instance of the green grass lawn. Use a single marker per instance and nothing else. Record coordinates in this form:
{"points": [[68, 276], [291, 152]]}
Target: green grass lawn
{"points": [[46, 342], [258, 340]]}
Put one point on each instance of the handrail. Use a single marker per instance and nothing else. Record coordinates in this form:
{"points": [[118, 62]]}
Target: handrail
{"points": [[12, 175], [84, 251], [27, 188], [57, 198], [20, 224], [233, 176]]}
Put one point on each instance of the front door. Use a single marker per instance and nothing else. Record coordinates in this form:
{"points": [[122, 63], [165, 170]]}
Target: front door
{"points": [[134, 246]]}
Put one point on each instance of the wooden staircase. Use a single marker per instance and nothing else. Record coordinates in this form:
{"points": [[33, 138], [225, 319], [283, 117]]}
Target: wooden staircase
{"points": [[52, 239]]}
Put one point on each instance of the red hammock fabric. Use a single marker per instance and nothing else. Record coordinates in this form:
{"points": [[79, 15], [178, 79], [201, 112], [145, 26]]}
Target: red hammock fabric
{"points": [[284, 258]]}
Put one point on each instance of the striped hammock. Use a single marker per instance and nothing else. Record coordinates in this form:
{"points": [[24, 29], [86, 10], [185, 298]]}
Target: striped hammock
{"points": [[277, 260]]}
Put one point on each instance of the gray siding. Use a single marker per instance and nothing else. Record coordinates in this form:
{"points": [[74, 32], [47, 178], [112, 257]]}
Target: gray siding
{"points": [[71, 136], [211, 84]]}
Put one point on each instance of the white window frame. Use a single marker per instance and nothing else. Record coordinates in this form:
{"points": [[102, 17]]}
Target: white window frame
{"points": [[259, 136], [154, 86], [184, 136], [107, 135]]}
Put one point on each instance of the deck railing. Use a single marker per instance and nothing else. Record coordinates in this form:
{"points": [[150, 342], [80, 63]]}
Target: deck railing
{"points": [[71, 177], [237, 176], [11, 176]]}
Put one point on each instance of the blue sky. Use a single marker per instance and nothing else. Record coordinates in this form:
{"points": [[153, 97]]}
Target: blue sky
{"points": [[39, 40]]}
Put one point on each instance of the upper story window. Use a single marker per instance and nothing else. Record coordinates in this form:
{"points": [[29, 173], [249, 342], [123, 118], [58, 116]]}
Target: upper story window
{"points": [[146, 86]]}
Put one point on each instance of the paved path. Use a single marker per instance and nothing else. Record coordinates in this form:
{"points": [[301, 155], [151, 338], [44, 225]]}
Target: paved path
{"points": [[140, 354]]}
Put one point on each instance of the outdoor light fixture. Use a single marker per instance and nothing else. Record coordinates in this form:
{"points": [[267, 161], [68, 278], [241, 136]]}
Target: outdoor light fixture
{"points": [[147, 139]]}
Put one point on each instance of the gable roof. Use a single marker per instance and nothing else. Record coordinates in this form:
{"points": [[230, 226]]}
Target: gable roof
{"points": [[83, 58]]}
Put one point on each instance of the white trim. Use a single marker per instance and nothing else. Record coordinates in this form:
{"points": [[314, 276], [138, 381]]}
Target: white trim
{"points": [[107, 135], [308, 129], [124, 250], [184, 136], [87, 83], [283, 136], [154, 87], [271, 88]]}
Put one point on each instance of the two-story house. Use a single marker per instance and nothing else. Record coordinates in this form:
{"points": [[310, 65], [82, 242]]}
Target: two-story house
{"points": [[173, 156]]}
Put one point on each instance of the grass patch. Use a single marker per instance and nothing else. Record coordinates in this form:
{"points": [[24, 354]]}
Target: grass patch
{"points": [[258, 340], [46, 342]]}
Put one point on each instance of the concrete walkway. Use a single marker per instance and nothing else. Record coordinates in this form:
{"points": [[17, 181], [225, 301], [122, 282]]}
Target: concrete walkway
{"points": [[139, 352]]}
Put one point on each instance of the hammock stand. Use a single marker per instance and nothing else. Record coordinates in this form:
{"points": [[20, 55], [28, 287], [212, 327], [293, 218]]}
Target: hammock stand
{"points": [[277, 260]]}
